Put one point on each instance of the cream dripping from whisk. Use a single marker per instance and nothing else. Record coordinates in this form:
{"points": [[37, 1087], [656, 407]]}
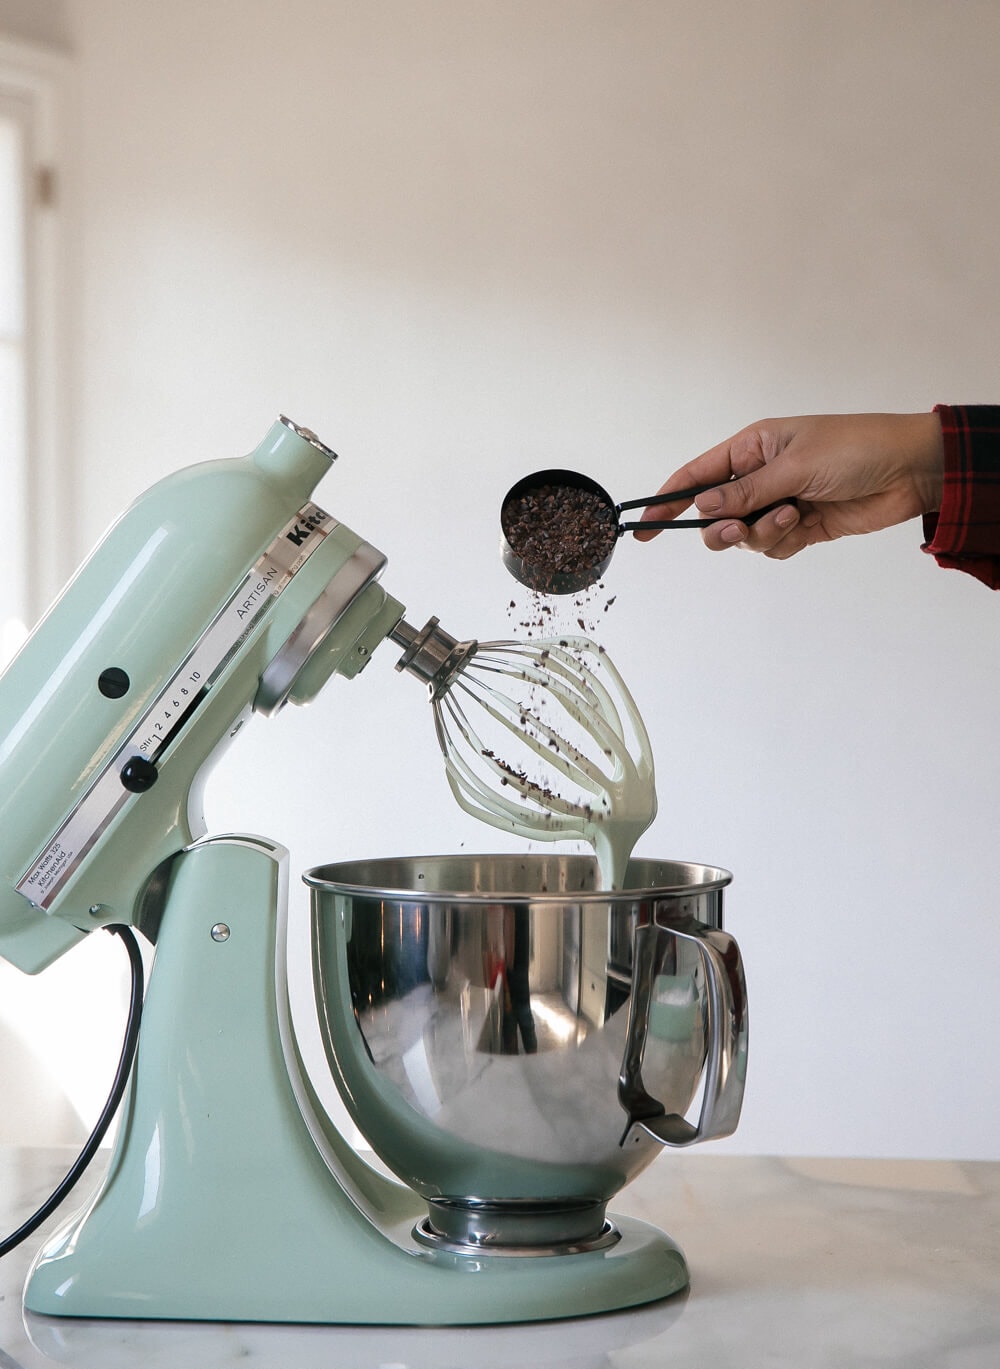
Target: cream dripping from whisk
{"points": [[542, 738]]}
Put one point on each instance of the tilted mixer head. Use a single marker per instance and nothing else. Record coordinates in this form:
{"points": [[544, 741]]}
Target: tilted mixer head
{"points": [[540, 738], [221, 592]]}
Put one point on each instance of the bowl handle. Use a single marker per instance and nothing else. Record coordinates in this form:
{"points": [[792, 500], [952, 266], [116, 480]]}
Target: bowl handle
{"points": [[725, 1065]]}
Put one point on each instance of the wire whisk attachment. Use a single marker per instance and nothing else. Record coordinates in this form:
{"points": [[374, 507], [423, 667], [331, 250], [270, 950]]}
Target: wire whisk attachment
{"points": [[541, 738]]}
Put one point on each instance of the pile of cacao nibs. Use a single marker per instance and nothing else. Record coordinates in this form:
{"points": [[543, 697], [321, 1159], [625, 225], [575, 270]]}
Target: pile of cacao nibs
{"points": [[558, 530]]}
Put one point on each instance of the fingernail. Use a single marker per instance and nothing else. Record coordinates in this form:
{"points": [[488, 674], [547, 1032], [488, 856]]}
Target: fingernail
{"points": [[709, 502], [732, 532], [786, 516]]}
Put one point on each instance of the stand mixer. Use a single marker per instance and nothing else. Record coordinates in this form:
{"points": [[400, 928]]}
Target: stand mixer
{"points": [[224, 591]]}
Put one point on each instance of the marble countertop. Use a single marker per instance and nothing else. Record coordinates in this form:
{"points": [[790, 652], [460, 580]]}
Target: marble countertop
{"points": [[817, 1264]]}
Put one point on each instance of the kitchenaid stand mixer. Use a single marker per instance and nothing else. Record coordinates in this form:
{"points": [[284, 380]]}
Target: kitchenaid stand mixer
{"points": [[230, 1195]]}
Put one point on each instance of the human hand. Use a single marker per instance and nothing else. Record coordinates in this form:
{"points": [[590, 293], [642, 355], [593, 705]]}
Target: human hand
{"points": [[850, 473]]}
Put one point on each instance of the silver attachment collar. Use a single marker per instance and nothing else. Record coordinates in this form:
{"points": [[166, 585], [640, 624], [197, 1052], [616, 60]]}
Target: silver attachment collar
{"points": [[432, 654]]}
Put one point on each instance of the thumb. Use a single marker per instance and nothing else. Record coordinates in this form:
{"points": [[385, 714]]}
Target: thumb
{"points": [[746, 494]]}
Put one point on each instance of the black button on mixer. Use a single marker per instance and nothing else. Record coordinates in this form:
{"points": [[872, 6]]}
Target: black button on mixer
{"points": [[139, 774], [113, 682]]}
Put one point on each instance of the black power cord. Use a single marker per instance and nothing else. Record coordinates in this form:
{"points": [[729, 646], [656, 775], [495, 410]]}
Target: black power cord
{"points": [[110, 1107]]}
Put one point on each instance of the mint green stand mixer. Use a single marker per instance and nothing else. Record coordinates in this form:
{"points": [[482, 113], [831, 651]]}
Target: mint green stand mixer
{"points": [[230, 1193]]}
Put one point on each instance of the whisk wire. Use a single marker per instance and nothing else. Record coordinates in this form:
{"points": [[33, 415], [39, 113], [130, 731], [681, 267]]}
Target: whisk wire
{"points": [[485, 802], [558, 663], [507, 774], [520, 792], [562, 754]]}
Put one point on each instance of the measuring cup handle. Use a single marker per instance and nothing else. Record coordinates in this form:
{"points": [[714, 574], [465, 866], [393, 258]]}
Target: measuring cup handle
{"points": [[670, 497], [725, 1066], [660, 524]]}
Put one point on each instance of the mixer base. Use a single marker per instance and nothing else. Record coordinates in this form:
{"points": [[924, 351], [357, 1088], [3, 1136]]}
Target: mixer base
{"points": [[229, 1199]]}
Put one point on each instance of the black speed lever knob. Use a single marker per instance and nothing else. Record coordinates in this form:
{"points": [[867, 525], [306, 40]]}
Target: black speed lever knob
{"points": [[139, 774]]}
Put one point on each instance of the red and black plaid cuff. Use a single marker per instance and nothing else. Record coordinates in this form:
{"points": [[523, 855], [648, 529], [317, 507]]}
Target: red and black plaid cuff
{"points": [[965, 533]]}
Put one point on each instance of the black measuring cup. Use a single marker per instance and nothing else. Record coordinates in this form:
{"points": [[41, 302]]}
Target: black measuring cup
{"points": [[559, 529]]}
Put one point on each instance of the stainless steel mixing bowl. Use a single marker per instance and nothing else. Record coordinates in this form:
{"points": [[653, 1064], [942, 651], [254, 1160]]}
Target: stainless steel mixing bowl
{"points": [[516, 1044]]}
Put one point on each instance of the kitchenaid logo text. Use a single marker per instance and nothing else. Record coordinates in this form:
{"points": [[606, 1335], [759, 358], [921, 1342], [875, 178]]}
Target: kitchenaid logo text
{"points": [[307, 525], [288, 552]]}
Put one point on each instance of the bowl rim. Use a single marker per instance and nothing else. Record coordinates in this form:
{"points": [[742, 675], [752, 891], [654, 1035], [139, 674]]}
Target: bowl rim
{"points": [[699, 879]]}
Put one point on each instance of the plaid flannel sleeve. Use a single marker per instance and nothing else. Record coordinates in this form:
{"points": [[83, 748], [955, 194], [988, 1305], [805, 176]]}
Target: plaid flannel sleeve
{"points": [[965, 533]]}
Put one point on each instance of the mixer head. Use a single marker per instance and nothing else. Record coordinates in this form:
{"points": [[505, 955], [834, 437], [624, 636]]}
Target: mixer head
{"points": [[223, 591]]}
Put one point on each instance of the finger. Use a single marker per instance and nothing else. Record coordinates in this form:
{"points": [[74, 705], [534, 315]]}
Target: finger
{"points": [[790, 545], [768, 484], [682, 479], [711, 466], [807, 532], [772, 527], [765, 535], [727, 532], [743, 456]]}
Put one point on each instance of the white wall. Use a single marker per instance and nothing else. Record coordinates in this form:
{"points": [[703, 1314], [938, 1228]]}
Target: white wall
{"points": [[463, 240]]}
